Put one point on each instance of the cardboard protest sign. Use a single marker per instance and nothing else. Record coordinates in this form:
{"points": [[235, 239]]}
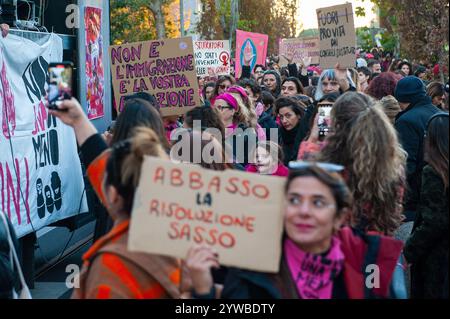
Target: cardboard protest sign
{"points": [[254, 43], [212, 57], [302, 48], [164, 68], [337, 36], [179, 205]]}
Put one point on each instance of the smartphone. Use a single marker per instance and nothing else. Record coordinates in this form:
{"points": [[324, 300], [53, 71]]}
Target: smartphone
{"points": [[60, 83], [324, 120]]}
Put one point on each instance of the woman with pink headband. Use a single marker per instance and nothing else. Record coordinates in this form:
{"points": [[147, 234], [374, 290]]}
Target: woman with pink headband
{"points": [[238, 131], [244, 101]]}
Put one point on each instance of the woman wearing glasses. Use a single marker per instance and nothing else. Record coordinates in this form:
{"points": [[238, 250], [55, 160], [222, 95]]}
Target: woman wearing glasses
{"points": [[238, 130], [334, 81], [244, 101], [223, 83], [320, 260], [259, 72]]}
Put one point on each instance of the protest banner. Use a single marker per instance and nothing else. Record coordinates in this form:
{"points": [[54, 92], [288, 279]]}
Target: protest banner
{"points": [[164, 68], [337, 36], [41, 181], [95, 77], [179, 205], [301, 48], [212, 58], [254, 43]]}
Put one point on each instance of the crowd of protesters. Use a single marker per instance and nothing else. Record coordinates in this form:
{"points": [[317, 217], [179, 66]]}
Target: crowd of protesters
{"points": [[382, 161]]}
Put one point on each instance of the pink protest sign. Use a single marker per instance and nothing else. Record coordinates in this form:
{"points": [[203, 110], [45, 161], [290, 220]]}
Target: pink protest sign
{"points": [[249, 42]]}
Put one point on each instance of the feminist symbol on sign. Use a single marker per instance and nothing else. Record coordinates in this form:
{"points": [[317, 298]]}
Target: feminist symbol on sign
{"points": [[224, 57]]}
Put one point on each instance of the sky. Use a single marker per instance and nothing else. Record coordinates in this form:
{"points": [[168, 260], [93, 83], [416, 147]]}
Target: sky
{"points": [[307, 11]]}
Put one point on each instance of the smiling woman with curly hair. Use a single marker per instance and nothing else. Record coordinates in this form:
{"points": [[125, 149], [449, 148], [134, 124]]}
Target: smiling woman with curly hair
{"points": [[365, 142]]}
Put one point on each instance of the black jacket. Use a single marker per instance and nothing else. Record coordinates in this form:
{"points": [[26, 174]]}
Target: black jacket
{"points": [[410, 125], [427, 248], [290, 141], [246, 72], [267, 122], [293, 71]]}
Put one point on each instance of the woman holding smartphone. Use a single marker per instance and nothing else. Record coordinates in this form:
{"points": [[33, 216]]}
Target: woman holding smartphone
{"points": [[319, 128], [364, 141]]}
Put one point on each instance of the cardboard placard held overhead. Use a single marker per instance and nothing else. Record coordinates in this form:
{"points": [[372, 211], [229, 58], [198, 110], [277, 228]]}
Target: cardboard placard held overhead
{"points": [[337, 36], [212, 57], [179, 205], [164, 68], [301, 48]]}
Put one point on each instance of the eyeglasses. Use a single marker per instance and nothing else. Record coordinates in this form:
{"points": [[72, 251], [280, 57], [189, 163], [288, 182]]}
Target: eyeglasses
{"points": [[221, 108], [329, 167]]}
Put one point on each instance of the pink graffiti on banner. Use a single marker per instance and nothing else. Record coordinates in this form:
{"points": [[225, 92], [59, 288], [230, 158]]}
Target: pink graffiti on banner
{"points": [[7, 104], [95, 79], [255, 43]]}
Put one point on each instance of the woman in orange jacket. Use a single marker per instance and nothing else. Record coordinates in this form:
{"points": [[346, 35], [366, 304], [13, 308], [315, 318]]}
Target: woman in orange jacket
{"points": [[110, 271]]}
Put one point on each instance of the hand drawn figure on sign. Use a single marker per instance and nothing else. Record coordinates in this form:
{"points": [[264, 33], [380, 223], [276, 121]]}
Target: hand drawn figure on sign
{"points": [[35, 77], [249, 49], [56, 187], [224, 57], [40, 198], [49, 199]]}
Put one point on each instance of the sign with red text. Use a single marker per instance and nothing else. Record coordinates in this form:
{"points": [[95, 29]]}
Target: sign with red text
{"points": [[179, 205], [300, 48], [164, 68], [212, 57], [337, 36], [41, 181], [252, 44]]}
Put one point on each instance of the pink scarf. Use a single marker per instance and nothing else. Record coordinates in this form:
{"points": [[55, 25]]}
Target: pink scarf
{"points": [[314, 274], [259, 109], [229, 130]]}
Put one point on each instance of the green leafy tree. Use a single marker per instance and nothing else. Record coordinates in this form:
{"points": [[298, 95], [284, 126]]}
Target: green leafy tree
{"points": [[421, 29], [139, 20], [277, 19]]}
